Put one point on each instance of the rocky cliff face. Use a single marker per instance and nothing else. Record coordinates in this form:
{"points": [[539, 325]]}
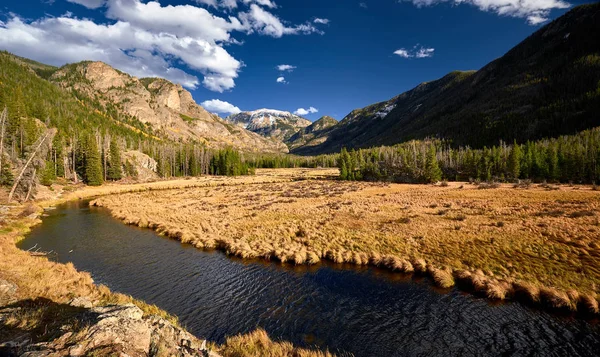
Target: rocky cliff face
{"points": [[166, 107], [270, 123]]}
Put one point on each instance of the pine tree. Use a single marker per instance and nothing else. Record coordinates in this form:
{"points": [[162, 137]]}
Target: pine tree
{"points": [[6, 176], [514, 161], [115, 171], [93, 163], [433, 173]]}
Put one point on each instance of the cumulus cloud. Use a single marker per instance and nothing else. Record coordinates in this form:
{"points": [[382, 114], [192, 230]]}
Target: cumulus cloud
{"points": [[321, 21], [232, 4], [286, 68], [90, 4], [281, 80], [219, 106], [265, 23], [535, 11], [147, 39], [417, 52], [302, 111]]}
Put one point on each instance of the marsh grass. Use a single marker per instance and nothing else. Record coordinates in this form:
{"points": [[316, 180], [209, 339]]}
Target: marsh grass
{"points": [[547, 238]]}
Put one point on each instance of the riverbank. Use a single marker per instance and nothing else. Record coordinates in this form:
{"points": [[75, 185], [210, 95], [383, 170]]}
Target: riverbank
{"points": [[52, 306], [531, 243]]}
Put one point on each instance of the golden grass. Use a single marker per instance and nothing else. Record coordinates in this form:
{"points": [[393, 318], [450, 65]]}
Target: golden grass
{"points": [[511, 241], [258, 343]]}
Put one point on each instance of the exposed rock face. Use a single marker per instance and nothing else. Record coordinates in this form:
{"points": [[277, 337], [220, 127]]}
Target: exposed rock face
{"points": [[120, 330], [144, 165], [166, 107], [270, 123]]}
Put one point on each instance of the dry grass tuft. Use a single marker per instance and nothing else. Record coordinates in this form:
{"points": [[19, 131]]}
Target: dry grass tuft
{"points": [[442, 277], [555, 299], [258, 343]]}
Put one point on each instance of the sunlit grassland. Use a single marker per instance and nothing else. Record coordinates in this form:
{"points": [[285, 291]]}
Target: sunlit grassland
{"points": [[538, 243]]}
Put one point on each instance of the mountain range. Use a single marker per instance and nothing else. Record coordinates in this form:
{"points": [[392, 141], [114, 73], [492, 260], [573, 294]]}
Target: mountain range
{"points": [[546, 86], [270, 123]]}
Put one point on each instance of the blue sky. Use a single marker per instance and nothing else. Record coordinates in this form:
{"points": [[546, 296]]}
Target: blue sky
{"points": [[345, 54]]}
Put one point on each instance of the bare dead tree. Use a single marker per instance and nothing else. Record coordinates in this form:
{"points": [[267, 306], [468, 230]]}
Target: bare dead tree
{"points": [[31, 157], [3, 117]]}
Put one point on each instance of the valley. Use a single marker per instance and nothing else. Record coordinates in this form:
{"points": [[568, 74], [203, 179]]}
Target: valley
{"points": [[140, 216]]}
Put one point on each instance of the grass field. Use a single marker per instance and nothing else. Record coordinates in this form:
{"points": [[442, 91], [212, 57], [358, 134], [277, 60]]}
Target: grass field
{"points": [[537, 243]]}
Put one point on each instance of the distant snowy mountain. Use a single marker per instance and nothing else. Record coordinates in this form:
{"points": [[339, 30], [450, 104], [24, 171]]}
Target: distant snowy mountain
{"points": [[270, 123]]}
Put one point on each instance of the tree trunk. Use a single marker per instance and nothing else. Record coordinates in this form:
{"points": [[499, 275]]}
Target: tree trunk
{"points": [[3, 117], [31, 183], [12, 191]]}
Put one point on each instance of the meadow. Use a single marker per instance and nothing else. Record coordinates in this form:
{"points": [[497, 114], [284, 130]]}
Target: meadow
{"points": [[535, 243]]}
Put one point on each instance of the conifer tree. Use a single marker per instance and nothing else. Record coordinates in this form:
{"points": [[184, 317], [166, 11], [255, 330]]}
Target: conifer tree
{"points": [[514, 161], [115, 171], [433, 173], [93, 163]]}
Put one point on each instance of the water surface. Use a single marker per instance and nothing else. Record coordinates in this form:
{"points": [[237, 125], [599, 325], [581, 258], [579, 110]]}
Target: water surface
{"points": [[363, 311]]}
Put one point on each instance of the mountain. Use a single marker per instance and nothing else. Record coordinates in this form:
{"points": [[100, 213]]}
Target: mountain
{"points": [[270, 123], [312, 135], [546, 86], [167, 109]]}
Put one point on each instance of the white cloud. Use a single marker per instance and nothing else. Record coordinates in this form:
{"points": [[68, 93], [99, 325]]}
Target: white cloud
{"points": [[259, 20], [267, 3], [363, 5], [417, 51], [424, 52], [232, 4], [302, 111], [402, 53], [219, 106], [281, 80], [147, 39], [535, 11], [90, 4], [321, 21], [286, 67]]}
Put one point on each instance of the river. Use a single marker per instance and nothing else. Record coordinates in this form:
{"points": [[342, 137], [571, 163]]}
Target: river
{"points": [[349, 310]]}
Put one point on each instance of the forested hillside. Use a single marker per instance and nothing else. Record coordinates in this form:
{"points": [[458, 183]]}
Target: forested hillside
{"points": [[49, 133], [548, 85]]}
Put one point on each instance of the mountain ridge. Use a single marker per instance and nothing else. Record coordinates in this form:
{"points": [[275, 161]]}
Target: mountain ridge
{"points": [[547, 85], [167, 108]]}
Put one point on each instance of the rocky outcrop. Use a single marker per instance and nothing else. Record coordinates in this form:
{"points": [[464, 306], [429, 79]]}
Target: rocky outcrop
{"points": [[115, 330], [166, 107]]}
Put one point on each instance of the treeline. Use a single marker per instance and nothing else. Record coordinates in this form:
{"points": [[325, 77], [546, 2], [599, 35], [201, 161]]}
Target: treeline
{"points": [[291, 161], [572, 158]]}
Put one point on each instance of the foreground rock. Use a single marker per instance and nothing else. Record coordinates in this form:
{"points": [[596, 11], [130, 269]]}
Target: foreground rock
{"points": [[115, 330]]}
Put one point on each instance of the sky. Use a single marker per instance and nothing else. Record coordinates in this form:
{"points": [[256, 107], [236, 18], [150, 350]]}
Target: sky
{"points": [[311, 57]]}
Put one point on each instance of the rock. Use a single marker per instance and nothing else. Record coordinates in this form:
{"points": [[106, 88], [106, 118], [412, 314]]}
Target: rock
{"points": [[121, 330], [81, 302], [8, 292]]}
